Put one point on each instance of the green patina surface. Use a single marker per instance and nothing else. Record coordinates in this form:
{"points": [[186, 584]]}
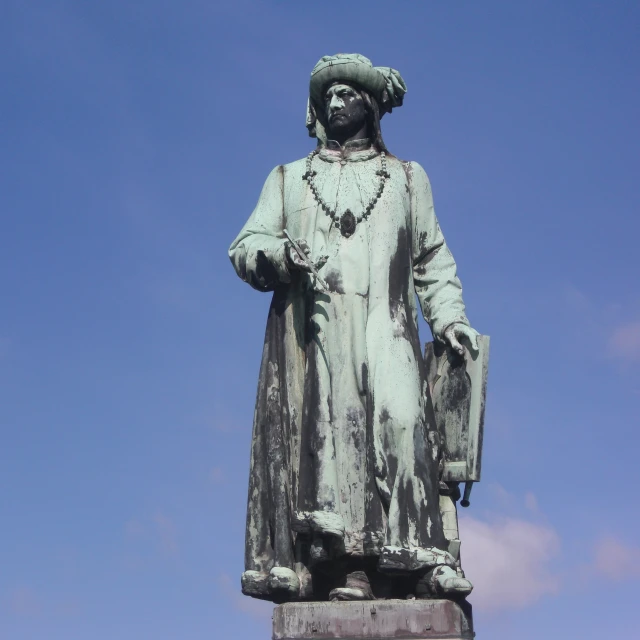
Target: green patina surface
{"points": [[347, 455]]}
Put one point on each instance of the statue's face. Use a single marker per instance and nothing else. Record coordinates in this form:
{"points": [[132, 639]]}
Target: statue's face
{"points": [[344, 110]]}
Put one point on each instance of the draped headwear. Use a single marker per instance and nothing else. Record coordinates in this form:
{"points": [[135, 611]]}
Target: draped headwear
{"points": [[383, 83]]}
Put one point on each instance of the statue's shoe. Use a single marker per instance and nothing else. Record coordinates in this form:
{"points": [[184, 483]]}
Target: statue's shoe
{"points": [[255, 584], [357, 587], [443, 582], [399, 560], [284, 582], [280, 583]]}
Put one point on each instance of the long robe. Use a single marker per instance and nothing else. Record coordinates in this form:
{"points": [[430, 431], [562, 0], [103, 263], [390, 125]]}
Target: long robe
{"points": [[345, 452]]}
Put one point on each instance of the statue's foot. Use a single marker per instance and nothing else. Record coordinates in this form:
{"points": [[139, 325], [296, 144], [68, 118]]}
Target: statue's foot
{"points": [[284, 583], [279, 584], [443, 582], [255, 584], [400, 560], [357, 587]]}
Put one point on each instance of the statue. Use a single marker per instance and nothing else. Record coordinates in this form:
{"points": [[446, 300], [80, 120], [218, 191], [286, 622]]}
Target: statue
{"points": [[347, 497]]}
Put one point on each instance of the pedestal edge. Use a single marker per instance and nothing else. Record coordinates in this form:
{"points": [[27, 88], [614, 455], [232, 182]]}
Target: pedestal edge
{"points": [[374, 620]]}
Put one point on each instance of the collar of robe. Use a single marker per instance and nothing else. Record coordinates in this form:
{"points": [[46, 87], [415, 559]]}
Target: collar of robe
{"points": [[352, 151]]}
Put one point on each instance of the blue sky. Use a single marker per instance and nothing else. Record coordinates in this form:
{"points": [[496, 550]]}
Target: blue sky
{"points": [[136, 138]]}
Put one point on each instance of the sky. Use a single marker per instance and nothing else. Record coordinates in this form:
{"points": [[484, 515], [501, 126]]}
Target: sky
{"points": [[136, 137]]}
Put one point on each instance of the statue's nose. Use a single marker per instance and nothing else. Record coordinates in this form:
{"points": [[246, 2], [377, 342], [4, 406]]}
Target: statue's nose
{"points": [[336, 103]]}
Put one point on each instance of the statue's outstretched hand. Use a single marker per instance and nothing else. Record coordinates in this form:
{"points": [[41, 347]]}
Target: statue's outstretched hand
{"points": [[293, 258], [458, 331]]}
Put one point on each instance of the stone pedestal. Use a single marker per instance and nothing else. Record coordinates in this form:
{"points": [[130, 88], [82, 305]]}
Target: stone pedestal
{"points": [[377, 619]]}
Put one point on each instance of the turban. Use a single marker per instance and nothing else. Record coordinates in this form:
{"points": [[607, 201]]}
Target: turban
{"points": [[383, 83]]}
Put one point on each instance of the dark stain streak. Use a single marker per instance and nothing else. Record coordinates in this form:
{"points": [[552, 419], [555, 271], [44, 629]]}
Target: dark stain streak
{"points": [[399, 276], [399, 304], [266, 276], [334, 279], [428, 256], [375, 501], [456, 397], [308, 472], [390, 460], [242, 264], [405, 499], [268, 513]]}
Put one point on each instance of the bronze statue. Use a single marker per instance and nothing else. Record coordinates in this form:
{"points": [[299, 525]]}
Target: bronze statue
{"points": [[346, 487]]}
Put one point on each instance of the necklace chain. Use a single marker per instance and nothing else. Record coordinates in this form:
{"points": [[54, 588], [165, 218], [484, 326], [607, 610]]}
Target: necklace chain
{"points": [[347, 221]]}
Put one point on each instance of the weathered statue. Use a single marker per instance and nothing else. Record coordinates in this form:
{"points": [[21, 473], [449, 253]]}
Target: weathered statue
{"points": [[347, 460]]}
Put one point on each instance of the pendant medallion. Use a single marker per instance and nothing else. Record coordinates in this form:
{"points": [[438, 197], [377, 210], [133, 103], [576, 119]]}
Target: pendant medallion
{"points": [[347, 224]]}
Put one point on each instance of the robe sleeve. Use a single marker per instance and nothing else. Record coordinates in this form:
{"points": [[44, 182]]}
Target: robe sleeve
{"points": [[258, 253], [434, 269]]}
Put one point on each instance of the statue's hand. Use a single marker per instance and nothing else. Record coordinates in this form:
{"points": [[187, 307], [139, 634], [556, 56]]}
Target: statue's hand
{"points": [[293, 258], [458, 330]]}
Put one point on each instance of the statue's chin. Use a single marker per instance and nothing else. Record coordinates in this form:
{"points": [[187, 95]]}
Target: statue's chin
{"points": [[342, 129], [335, 133]]}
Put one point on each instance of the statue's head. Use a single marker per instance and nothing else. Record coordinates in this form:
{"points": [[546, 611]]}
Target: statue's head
{"points": [[345, 112], [346, 91]]}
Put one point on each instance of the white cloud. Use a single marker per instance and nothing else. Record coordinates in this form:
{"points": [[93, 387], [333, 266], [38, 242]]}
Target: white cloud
{"points": [[509, 561], [616, 560], [624, 343]]}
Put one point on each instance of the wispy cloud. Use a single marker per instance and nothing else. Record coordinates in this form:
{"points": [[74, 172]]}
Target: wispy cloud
{"points": [[166, 534], [157, 532], [531, 502], [231, 591], [511, 557], [134, 528], [617, 320], [217, 475], [218, 418], [624, 343], [68, 607], [509, 561], [24, 602], [616, 560]]}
